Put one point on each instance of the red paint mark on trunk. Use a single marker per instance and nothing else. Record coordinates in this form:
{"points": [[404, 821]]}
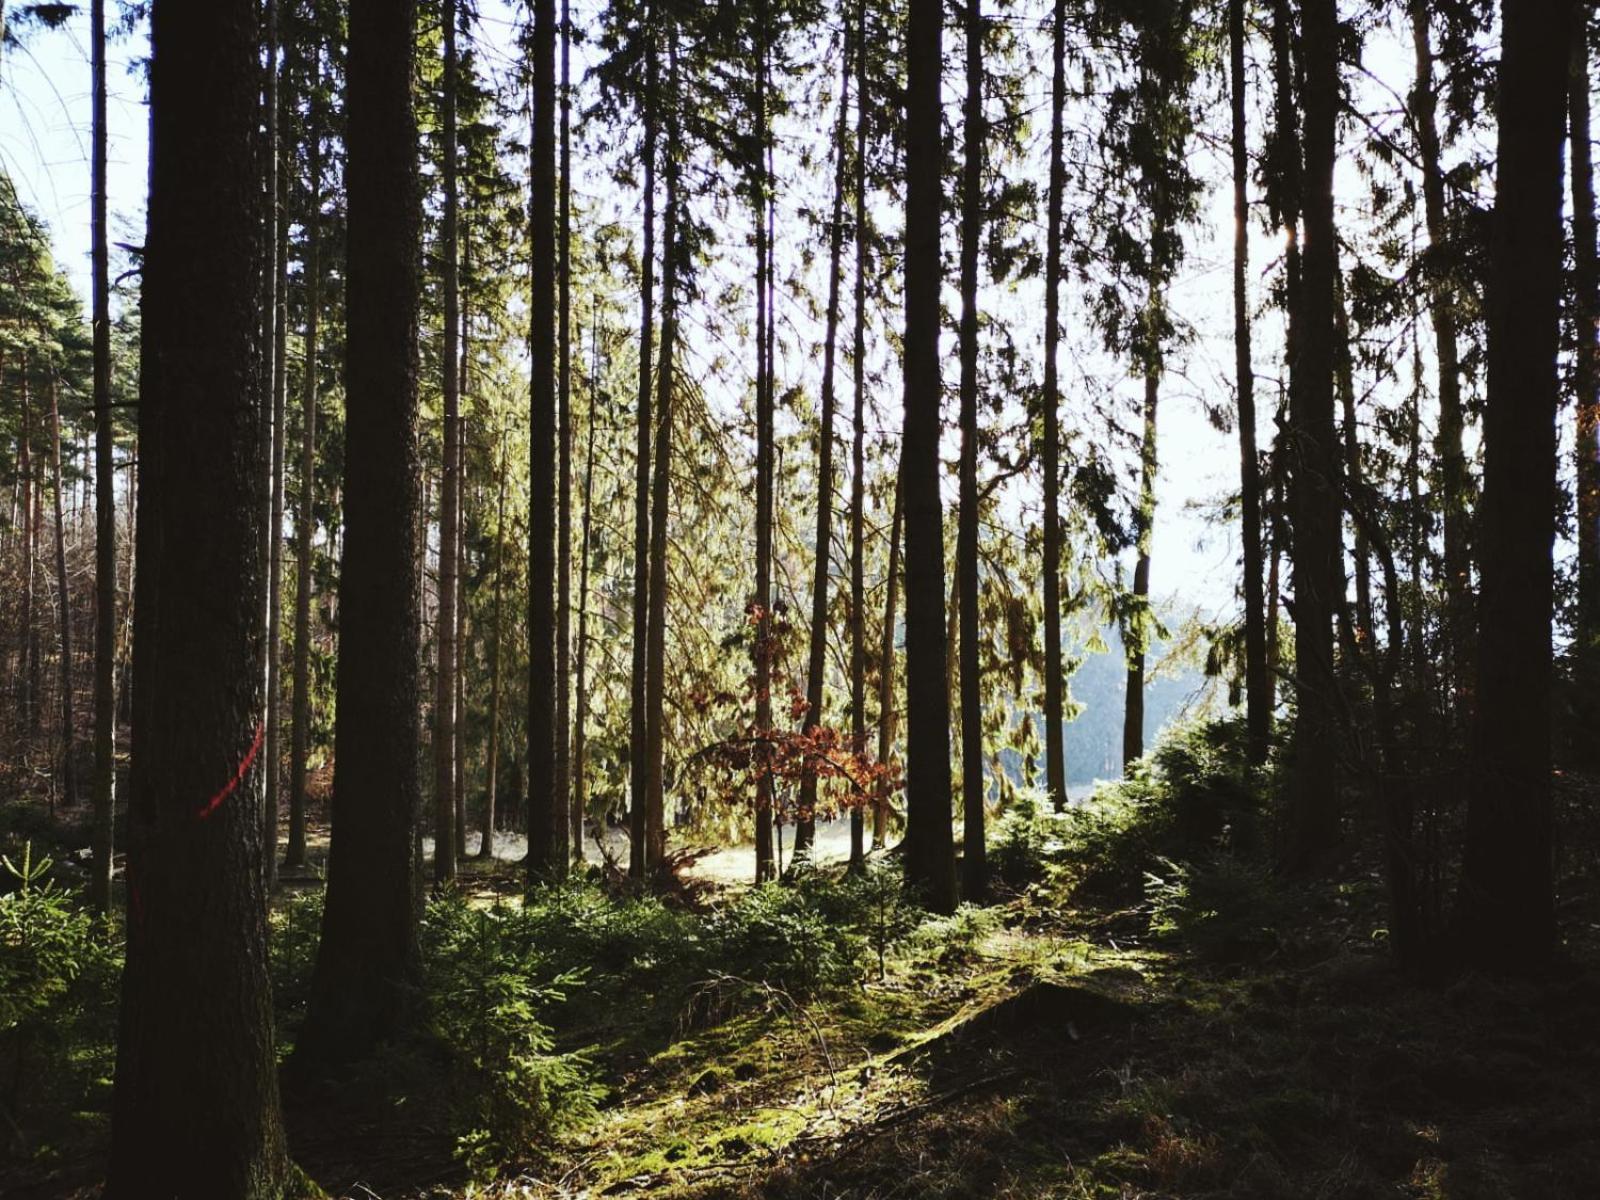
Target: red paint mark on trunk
{"points": [[232, 785]]}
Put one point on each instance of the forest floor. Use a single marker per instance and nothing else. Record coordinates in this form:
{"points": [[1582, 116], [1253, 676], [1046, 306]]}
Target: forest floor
{"points": [[1062, 1053], [1046, 1051]]}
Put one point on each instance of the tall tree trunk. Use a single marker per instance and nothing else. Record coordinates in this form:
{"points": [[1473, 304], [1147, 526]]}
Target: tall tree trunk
{"points": [[300, 728], [1354, 476], [638, 758], [766, 865], [930, 863], [459, 684], [816, 663], [1285, 195], [1137, 632], [1505, 909], [974, 869], [105, 501], [276, 314], [28, 655], [1458, 501], [367, 959], [661, 464], [1586, 320], [444, 705], [1318, 578], [564, 519], [858, 463], [1055, 754], [195, 1109], [580, 781], [546, 810], [1258, 681], [35, 583], [886, 708], [492, 780], [69, 760]]}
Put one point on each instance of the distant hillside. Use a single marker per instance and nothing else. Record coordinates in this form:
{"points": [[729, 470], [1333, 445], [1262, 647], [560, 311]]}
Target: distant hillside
{"points": [[1094, 737]]}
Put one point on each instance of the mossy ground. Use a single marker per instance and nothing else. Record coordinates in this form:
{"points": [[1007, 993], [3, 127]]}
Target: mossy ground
{"points": [[1318, 1071], [1313, 1069]]}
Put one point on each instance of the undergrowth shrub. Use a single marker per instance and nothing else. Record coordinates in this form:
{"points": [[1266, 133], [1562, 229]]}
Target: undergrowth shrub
{"points": [[957, 937], [1017, 847], [632, 944], [296, 928], [488, 989], [804, 939], [59, 968], [1224, 907], [1193, 796]]}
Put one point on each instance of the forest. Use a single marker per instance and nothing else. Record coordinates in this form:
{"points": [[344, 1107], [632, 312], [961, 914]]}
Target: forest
{"points": [[799, 598]]}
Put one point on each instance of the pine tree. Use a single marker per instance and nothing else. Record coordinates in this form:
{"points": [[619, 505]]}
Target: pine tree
{"points": [[974, 862], [1050, 450], [1258, 682], [362, 984], [546, 810], [195, 1108], [930, 864], [1505, 917], [105, 515]]}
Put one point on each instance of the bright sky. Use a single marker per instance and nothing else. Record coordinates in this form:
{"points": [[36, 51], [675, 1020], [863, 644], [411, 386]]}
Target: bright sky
{"points": [[44, 136]]}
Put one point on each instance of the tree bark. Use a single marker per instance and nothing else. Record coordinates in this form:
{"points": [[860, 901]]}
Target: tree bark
{"points": [[572, 814], [1354, 476], [276, 314], [930, 863], [1137, 632], [300, 728], [28, 653], [367, 961], [1054, 735], [886, 708], [195, 1109], [816, 664], [974, 869], [1505, 909], [69, 761], [105, 502], [1458, 501], [661, 464], [444, 706], [35, 644], [546, 810], [1586, 371], [638, 757], [1258, 680], [459, 684], [766, 865], [1318, 578], [858, 465], [580, 781], [492, 780]]}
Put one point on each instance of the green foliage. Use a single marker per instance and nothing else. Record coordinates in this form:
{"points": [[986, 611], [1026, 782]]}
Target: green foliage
{"points": [[804, 939], [806, 936], [1017, 845], [59, 968], [956, 938], [1223, 907], [292, 952], [487, 990], [1195, 794], [887, 913], [636, 944]]}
